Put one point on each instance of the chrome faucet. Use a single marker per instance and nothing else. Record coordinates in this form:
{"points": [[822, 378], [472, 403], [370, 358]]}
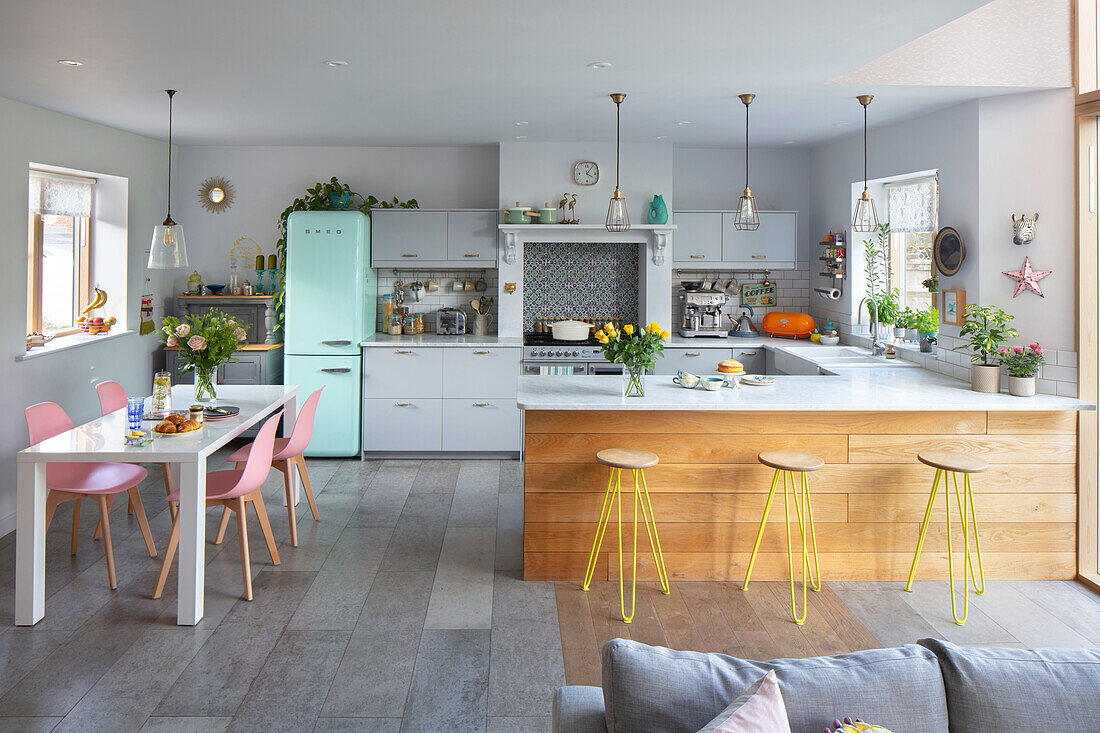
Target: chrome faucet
{"points": [[877, 346]]}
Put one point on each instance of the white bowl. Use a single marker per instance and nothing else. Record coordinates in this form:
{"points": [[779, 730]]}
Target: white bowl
{"points": [[830, 340]]}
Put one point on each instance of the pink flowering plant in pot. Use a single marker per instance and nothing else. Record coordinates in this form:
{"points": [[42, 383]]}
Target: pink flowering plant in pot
{"points": [[1023, 364], [205, 342]]}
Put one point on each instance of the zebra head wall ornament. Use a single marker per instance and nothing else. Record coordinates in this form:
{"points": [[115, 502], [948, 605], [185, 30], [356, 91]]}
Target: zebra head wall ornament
{"points": [[1023, 229]]}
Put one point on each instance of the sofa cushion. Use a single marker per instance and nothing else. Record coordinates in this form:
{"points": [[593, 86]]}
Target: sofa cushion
{"points": [[651, 689], [992, 689], [759, 709]]}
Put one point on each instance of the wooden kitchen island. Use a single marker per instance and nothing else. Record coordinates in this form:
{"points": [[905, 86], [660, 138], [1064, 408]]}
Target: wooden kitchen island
{"points": [[868, 424]]}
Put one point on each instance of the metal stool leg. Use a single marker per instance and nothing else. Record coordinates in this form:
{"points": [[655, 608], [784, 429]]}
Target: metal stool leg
{"points": [[597, 542], [805, 516], [654, 541], [950, 558], [763, 521], [627, 618], [802, 522], [924, 528], [977, 544]]}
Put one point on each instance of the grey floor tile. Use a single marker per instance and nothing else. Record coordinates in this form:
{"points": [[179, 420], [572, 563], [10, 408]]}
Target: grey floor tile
{"points": [[1025, 619], [449, 683], [360, 725], [931, 599], [462, 595], [125, 695], [290, 689], [24, 648], [511, 477], [886, 615], [418, 536], [315, 538], [1071, 602], [510, 532], [185, 725], [384, 498], [28, 725], [352, 477], [476, 492], [520, 725], [436, 476], [376, 670], [526, 654], [340, 588]]}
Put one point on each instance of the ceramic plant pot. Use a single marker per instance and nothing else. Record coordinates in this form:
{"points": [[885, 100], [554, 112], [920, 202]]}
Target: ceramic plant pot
{"points": [[911, 334], [985, 378], [899, 333], [1021, 386]]}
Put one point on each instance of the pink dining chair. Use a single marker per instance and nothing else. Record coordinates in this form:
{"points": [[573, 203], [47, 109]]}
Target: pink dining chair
{"points": [[76, 481], [112, 397], [235, 490], [288, 452]]}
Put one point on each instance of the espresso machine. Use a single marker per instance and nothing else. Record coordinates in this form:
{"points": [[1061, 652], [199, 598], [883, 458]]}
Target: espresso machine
{"points": [[702, 313]]}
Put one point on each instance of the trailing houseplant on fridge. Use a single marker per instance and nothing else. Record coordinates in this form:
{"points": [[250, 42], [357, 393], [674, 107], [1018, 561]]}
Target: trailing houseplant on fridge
{"points": [[986, 328]]}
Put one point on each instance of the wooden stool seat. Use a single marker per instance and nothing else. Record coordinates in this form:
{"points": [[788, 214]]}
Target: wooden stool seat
{"points": [[627, 458], [954, 462], [790, 460]]}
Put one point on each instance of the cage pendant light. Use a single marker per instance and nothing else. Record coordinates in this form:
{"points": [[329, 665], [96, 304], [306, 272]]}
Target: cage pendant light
{"points": [[618, 219], [747, 218], [168, 250], [864, 218]]}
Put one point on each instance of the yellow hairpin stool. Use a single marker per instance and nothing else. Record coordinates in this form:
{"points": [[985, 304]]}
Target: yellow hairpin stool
{"points": [[786, 464], [635, 461], [952, 464]]}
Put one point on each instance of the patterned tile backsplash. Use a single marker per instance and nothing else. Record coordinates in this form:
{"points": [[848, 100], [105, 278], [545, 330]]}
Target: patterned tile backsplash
{"points": [[579, 280]]}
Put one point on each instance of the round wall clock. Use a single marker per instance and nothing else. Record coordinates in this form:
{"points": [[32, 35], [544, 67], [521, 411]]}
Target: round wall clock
{"points": [[586, 173], [948, 251], [216, 194]]}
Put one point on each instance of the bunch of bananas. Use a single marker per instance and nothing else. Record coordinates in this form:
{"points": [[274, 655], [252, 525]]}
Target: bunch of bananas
{"points": [[98, 301]]}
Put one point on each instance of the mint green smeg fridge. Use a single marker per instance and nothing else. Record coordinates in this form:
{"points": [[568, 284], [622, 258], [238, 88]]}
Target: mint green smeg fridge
{"points": [[330, 308]]}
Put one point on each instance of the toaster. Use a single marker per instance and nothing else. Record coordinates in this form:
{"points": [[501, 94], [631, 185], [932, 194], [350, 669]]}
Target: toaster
{"points": [[450, 322], [790, 325]]}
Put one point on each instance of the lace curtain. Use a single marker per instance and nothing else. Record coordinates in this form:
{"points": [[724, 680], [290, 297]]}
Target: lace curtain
{"points": [[912, 207], [60, 196]]}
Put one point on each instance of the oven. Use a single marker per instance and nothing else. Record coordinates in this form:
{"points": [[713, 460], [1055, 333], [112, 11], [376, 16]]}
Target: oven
{"points": [[543, 356], [560, 368]]}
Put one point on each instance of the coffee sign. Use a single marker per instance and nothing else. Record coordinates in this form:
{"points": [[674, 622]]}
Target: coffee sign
{"points": [[758, 294]]}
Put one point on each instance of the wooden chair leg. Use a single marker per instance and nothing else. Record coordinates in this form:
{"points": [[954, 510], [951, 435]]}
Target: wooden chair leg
{"points": [[53, 499], [169, 555], [76, 526], [107, 551], [242, 539], [99, 525], [300, 461], [291, 514], [265, 526], [129, 506], [224, 525], [173, 507], [143, 523]]}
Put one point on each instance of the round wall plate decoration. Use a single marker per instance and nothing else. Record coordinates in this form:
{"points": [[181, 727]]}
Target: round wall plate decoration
{"points": [[216, 194], [948, 251]]}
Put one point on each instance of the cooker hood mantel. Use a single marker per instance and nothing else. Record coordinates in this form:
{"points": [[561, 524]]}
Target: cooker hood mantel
{"points": [[653, 234]]}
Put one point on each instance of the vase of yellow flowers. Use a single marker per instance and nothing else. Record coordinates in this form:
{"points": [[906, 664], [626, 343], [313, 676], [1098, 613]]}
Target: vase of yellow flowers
{"points": [[637, 352]]}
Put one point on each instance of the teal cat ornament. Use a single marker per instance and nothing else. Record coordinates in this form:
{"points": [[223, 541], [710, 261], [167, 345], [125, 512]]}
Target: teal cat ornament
{"points": [[658, 212]]}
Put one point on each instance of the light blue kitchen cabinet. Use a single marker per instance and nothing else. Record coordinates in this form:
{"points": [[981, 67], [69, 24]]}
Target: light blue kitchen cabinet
{"points": [[773, 246], [408, 237], [402, 372], [698, 238], [701, 360], [472, 237], [403, 424], [481, 425]]}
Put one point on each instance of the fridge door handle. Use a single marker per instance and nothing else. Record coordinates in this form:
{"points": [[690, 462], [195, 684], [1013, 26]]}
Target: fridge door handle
{"points": [[338, 370], [338, 342]]}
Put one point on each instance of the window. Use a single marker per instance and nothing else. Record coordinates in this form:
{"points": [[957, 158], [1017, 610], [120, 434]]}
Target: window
{"points": [[913, 215], [59, 251]]}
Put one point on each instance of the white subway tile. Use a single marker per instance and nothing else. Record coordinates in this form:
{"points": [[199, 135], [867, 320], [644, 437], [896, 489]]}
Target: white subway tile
{"points": [[1059, 373], [1067, 389], [1046, 386], [1067, 358]]}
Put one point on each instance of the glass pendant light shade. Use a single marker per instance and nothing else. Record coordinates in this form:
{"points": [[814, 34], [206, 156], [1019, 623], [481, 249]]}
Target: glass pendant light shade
{"points": [[168, 249], [618, 218], [864, 218], [747, 217]]}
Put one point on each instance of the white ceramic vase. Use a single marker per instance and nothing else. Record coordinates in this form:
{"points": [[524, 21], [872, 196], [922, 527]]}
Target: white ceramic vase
{"points": [[1021, 386], [985, 378]]}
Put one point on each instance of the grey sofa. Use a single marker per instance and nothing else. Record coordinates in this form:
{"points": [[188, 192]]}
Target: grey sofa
{"points": [[927, 687]]}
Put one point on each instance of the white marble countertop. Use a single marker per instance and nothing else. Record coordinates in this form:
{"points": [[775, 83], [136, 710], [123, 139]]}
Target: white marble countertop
{"points": [[876, 389], [432, 339]]}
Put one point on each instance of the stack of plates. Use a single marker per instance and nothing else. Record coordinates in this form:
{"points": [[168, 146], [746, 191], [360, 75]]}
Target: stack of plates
{"points": [[222, 412]]}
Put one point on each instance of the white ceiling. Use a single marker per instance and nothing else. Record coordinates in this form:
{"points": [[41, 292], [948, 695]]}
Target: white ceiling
{"points": [[439, 72]]}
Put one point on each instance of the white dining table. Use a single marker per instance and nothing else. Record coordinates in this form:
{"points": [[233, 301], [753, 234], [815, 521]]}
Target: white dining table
{"points": [[103, 440]]}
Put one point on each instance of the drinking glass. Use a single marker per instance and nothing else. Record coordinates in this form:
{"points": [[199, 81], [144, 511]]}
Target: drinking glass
{"points": [[135, 409]]}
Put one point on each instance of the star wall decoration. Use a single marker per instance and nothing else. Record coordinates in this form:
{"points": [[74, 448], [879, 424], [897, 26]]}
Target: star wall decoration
{"points": [[1027, 278]]}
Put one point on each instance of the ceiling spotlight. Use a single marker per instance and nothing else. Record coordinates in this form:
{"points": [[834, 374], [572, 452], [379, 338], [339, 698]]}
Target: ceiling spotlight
{"points": [[335, 63], [789, 142], [661, 137], [520, 123], [842, 124], [521, 137], [70, 62], [600, 65], [684, 122]]}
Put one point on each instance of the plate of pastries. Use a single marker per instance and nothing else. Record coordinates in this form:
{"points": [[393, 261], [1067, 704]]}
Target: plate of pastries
{"points": [[176, 424]]}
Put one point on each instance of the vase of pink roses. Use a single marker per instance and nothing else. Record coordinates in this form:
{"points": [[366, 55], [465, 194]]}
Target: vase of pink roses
{"points": [[1023, 364], [205, 343]]}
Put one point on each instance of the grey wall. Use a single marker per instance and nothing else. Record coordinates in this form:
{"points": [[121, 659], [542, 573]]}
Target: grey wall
{"points": [[33, 134], [267, 179]]}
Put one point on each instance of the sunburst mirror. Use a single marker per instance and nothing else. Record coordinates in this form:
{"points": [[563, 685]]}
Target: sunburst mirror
{"points": [[216, 194]]}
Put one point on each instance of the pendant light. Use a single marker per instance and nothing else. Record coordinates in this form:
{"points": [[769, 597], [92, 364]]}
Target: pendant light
{"points": [[618, 219], [168, 249], [864, 218], [747, 218]]}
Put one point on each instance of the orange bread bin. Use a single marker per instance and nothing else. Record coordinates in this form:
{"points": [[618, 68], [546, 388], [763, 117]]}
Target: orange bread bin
{"points": [[789, 325]]}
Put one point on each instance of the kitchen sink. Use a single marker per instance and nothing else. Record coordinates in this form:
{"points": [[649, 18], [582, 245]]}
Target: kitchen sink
{"points": [[846, 357]]}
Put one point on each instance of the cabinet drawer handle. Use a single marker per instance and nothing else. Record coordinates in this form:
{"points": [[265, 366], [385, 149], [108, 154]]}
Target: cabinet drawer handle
{"points": [[337, 370], [481, 404], [698, 257], [402, 351], [340, 342], [406, 254], [402, 404], [693, 353], [747, 353], [481, 352], [471, 255], [760, 257]]}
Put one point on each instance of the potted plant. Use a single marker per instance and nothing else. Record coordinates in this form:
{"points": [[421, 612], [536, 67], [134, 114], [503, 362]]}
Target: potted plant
{"points": [[1023, 364], [888, 311], [932, 284], [205, 343], [907, 319], [637, 352], [927, 325], [985, 327]]}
